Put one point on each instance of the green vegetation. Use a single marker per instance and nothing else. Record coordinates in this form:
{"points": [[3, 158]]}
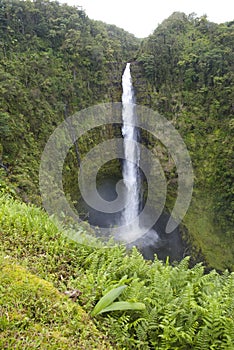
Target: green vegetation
{"points": [[184, 308], [35, 315], [58, 293], [185, 71], [54, 61], [106, 303]]}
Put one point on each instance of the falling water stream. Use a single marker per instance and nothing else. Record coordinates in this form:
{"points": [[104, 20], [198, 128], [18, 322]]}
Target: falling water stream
{"points": [[150, 242], [154, 240], [131, 154]]}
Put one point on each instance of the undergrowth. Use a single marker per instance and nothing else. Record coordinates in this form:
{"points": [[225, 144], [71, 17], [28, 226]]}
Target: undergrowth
{"points": [[34, 315], [184, 308]]}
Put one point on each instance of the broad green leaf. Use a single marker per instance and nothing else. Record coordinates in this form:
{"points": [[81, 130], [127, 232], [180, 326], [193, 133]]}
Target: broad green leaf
{"points": [[107, 299], [123, 305]]}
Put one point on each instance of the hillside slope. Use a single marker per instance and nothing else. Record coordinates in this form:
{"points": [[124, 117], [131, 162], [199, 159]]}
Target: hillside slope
{"points": [[185, 71], [54, 61], [184, 308], [35, 315]]}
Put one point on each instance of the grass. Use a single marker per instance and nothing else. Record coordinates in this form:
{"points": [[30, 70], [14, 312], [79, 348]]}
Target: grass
{"points": [[183, 308], [216, 247], [35, 315]]}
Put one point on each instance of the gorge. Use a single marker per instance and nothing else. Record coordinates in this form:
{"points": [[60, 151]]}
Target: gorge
{"points": [[183, 70], [134, 225], [63, 283]]}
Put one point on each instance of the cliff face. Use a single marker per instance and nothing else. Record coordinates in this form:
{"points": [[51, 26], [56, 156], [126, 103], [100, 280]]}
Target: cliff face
{"points": [[54, 62], [184, 71], [142, 86]]}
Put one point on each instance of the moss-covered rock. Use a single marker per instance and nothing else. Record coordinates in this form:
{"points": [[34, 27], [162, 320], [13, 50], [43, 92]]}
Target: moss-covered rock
{"points": [[35, 315]]}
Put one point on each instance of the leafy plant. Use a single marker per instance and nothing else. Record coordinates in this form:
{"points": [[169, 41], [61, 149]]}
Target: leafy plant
{"points": [[181, 308], [106, 303]]}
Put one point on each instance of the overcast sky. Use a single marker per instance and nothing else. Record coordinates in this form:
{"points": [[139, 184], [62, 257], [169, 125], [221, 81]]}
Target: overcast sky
{"points": [[142, 17]]}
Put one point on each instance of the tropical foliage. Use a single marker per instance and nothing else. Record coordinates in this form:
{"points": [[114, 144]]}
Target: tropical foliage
{"points": [[184, 308], [185, 71], [63, 293], [54, 61]]}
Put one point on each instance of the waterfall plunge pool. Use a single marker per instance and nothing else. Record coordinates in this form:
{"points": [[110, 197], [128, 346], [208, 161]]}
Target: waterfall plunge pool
{"points": [[153, 240]]}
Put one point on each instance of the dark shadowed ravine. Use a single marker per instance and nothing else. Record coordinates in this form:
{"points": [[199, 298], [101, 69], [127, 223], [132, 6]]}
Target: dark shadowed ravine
{"points": [[134, 231], [162, 244]]}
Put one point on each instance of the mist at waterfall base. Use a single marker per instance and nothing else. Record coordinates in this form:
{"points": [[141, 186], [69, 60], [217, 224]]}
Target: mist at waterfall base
{"points": [[155, 240]]}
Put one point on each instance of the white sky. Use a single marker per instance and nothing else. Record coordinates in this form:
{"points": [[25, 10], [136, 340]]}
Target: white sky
{"points": [[142, 17]]}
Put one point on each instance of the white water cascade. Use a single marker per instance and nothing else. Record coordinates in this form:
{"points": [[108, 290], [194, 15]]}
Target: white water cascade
{"points": [[131, 151]]}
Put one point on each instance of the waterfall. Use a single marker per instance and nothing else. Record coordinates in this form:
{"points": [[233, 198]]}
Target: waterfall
{"points": [[130, 169]]}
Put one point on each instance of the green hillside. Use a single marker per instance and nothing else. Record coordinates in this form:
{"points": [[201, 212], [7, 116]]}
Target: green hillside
{"points": [[184, 308], [54, 61], [59, 293], [35, 315], [185, 71]]}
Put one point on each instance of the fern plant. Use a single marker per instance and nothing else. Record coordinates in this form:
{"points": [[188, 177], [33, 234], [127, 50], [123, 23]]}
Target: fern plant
{"points": [[183, 308]]}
